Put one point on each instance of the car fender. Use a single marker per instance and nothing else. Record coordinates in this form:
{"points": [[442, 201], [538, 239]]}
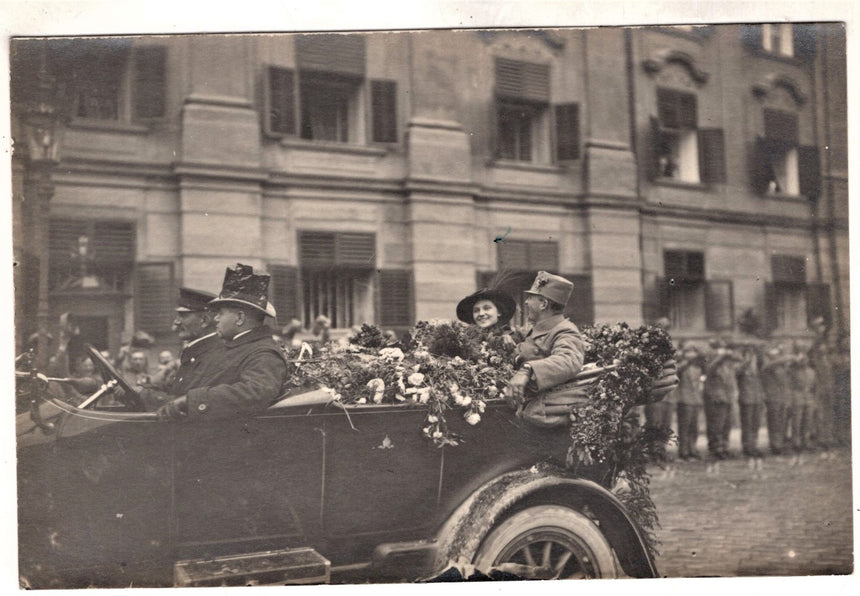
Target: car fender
{"points": [[460, 537]]}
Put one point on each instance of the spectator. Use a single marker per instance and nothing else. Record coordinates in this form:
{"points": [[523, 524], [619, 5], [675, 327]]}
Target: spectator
{"points": [[821, 360], [689, 398], [801, 378], [750, 401], [774, 377], [720, 394]]}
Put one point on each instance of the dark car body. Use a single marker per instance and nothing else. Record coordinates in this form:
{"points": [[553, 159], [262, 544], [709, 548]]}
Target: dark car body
{"points": [[113, 498]]}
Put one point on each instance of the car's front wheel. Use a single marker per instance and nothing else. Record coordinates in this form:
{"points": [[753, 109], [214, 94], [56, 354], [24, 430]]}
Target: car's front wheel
{"points": [[547, 542]]}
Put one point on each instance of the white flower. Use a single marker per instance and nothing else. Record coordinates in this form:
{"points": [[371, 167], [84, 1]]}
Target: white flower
{"points": [[437, 434], [416, 379], [362, 400], [392, 354], [426, 431], [457, 360], [481, 406], [472, 418], [378, 386], [424, 395], [421, 354], [399, 397], [454, 388], [431, 418]]}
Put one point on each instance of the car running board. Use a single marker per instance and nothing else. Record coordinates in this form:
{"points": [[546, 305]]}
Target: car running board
{"points": [[267, 568]]}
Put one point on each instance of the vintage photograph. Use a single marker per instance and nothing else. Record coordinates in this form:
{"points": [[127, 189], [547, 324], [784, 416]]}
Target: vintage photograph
{"points": [[439, 305]]}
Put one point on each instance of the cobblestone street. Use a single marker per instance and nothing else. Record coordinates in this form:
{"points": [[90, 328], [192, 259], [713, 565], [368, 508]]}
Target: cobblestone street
{"points": [[790, 516]]}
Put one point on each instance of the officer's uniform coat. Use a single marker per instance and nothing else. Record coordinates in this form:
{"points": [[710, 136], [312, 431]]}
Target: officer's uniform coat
{"points": [[555, 350], [197, 364], [249, 375]]}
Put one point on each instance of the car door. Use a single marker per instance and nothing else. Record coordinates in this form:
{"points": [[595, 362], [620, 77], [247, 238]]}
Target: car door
{"points": [[381, 472], [249, 484]]}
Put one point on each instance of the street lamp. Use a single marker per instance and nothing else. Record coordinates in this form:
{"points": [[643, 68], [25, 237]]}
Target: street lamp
{"points": [[41, 115]]}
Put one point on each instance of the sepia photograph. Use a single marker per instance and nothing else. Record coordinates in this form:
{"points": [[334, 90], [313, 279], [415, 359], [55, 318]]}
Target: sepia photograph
{"points": [[354, 302]]}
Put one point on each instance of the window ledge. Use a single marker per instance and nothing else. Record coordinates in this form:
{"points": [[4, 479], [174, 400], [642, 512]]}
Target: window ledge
{"points": [[779, 196], [675, 183], [333, 147], [108, 125], [526, 166], [762, 53]]}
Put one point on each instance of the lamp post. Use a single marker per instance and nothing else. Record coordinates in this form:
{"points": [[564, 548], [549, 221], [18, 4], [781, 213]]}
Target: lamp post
{"points": [[41, 117]]}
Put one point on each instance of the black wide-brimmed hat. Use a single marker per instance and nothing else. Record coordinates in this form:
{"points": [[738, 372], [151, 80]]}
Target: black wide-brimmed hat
{"points": [[503, 301], [243, 286]]}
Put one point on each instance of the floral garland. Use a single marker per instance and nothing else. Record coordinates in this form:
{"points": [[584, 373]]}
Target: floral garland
{"points": [[606, 430], [441, 366]]}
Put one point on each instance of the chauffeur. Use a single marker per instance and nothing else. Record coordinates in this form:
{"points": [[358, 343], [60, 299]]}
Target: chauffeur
{"points": [[249, 374], [553, 349], [194, 323]]}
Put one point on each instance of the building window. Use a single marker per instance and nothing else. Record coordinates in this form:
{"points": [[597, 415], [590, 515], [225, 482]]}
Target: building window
{"points": [[689, 300], [526, 124], [111, 79], [777, 38], [781, 165], [791, 303], [683, 151], [91, 255], [323, 99]]}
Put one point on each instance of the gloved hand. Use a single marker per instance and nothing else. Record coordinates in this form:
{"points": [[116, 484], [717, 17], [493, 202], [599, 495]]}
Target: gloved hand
{"points": [[518, 384], [173, 410]]}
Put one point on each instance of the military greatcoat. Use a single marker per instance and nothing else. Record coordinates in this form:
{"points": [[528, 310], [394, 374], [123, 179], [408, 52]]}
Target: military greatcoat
{"points": [[248, 376], [555, 350]]}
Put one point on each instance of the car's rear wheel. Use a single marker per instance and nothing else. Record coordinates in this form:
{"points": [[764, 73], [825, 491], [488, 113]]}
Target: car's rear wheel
{"points": [[547, 542]]}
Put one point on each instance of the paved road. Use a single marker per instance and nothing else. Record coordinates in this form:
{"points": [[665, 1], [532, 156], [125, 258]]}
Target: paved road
{"points": [[790, 517]]}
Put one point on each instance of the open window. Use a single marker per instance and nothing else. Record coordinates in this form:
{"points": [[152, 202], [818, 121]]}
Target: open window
{"points": [[682, 150], [527, 128], [783, 40], [324, 97], [791, 303], [690, 301], [780, 164]]}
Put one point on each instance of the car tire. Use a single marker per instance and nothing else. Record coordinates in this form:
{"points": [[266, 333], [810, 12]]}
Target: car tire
{"points": [[547, 542]]}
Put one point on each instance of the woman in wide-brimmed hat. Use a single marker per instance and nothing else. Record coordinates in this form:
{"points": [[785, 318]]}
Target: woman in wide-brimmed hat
{"points": [[489, 309]]}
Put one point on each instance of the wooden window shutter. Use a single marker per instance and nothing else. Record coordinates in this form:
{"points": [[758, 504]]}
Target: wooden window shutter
{"points": [[580, 306], [760, 165], [655, 144], [804, 40], [63, 240], [543, 256], [712, 156], [788, 269], [355, 248], [809, 171], [395, 298], [283, 292], [719, 305], [567, 131], [522, 80], [149, 81], [280, 100], [113, 242], [818, 303], [780, 126], [770, 307], [154, 297], [676, 109], [316, 249], [751, 36], [662, 298], [513, 255], [336, 53], [383, 99]]}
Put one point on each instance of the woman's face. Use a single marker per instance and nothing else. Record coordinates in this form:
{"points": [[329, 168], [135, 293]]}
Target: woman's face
{"points": [[485, 313]]}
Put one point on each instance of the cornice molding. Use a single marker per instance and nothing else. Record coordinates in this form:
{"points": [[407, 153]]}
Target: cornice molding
{"points": [[665, 57]]}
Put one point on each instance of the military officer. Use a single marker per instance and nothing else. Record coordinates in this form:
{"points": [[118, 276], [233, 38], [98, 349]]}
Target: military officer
{"points": [[250, 372], [553, 349]]}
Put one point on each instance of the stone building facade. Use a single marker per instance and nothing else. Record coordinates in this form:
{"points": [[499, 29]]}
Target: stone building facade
{"points": [[694, 173]]}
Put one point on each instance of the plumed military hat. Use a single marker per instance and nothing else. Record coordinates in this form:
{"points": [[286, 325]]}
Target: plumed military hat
{"points": [[193, 300], [503, 301], [551, 287], [243, 286]]}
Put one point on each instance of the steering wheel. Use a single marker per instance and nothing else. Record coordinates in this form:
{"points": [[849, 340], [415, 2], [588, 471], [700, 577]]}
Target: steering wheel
{"points": [[129, 396]]}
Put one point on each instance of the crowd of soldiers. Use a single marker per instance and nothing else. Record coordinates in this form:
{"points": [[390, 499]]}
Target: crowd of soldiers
{"points": [[799, 390]]}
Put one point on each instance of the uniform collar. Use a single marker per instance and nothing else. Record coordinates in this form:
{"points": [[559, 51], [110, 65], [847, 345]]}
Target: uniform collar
{"points": [[200, 339], [249, 336], [543, 327]]}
